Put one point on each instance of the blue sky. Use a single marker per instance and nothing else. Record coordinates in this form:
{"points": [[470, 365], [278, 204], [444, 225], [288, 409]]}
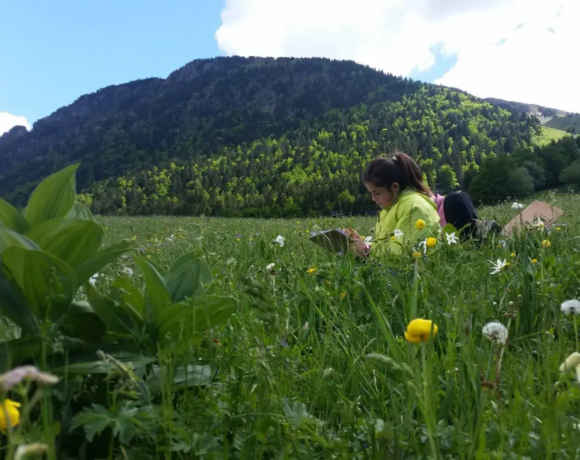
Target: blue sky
{"points": [[54, 51]]}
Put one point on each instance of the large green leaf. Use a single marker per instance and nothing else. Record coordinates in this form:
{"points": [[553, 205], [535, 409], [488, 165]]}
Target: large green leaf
{"points": [[12, 238], [71, 240], [11, 218], [120, 318], [127, 292], [183, 377], [18, 351], [80, 211], [86, 361], [47, 283], [187, 277], [13, 305], [54, 197], [186, 320], [87, 325], [156, 293], [100, 260]]}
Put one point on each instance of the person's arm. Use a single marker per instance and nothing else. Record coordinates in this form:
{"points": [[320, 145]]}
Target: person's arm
{"points": [[360, 248], [411, 235]]}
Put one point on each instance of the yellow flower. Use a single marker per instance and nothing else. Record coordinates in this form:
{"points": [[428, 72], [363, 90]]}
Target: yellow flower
{"points": [[238, 239], [393, 238], [342, 295], [513, 254], [546, 244], [534, 261], [416, 254], [419, 330], [420, 224], [431, 242], [558, 229], [9, 415], [311, 271]]}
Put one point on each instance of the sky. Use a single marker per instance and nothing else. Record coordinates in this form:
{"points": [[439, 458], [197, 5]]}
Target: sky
{"points": [[52, 52]]}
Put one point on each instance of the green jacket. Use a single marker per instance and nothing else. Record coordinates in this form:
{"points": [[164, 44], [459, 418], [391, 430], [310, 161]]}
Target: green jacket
{"points": [[402, 215]]}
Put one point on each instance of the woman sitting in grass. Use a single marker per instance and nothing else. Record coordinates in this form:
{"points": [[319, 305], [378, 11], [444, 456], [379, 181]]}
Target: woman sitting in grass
{"points": [[408, 213]]}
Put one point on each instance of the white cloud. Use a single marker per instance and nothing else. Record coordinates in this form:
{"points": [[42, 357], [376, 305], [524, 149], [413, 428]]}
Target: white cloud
{"points": [[535, 63], [8, 121]]}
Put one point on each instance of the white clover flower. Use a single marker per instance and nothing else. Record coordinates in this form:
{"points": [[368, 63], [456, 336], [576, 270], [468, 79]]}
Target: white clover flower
{"points": [[127, 271], [398, 233], [516, 205], [230, 261], [451, 238], [270, 267], [280, 240], [570, 307], [498, 266], [496, 332]]}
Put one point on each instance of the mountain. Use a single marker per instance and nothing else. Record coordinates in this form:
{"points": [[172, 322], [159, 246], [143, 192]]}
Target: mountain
{"points": [[230, 134], [544, 114]]}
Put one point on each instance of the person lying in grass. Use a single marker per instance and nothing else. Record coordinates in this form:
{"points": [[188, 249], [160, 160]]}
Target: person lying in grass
{"points": [[408, 213]]}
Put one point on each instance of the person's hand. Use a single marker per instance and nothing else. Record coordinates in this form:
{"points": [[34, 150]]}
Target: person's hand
{"points": [[353, 234]]}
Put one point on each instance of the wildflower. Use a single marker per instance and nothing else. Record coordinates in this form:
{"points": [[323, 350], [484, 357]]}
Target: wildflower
{"points": [[306, 327], [420, 330], [238, 239], [171, 239], [498, 266], [558, 229], [18, 374], [34, 450], [93, 279], [502, 244], [420, 224], [342, 295], [416, 254], [393, 238], [431, 242], [280, 240], [230, 261], [397, 233], [270, 267], [496, 332], [570, 307], [572, 362], [134, 237], [368, 240], [516, 205], [127, 271], [451, 238], [534, 261], [546, 244], [311, 271], [513, 255], [9, 415]]}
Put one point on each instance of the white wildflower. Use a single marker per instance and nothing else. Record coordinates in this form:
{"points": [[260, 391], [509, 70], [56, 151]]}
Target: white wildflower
{"points": [[498, 266], [35, 450], [517, 205], [230, 261], [127, 271], [306, 327], [423, 244], [496, 332], [18, 374], [398, 233], [93, 279], [270, 267], [171, 239], [327, 372], [451, 238], [368, 240], [572, 362], [502, 243], [280, 240], [571, 307]]}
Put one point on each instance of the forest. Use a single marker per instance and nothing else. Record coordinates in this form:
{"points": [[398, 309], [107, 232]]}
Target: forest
{"points": [[261, 137]]}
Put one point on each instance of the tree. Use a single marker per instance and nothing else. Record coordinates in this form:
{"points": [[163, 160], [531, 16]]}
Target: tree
{"points": [[469, 174], [571, 174], [491, 184], [537, 172], [446, 179], [520, 183]]}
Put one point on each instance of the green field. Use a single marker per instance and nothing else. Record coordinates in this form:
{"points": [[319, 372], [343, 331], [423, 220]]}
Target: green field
{"points": [[313, 362], [549, 135], [564, 123]]}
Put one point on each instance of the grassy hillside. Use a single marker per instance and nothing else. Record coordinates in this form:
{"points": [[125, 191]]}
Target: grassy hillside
{"points": [[569, 122], [549, 135]]}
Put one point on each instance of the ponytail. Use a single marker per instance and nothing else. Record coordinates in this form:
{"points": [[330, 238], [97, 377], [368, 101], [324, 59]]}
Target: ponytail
{"points": [[397, 167]]}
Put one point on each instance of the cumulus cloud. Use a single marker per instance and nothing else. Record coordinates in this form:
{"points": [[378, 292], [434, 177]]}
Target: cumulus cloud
{"points": [[513, 49], [8, 121]]}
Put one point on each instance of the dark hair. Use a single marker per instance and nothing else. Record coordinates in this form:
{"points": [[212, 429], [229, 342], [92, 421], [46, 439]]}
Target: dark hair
{"points": [[396, 167]]}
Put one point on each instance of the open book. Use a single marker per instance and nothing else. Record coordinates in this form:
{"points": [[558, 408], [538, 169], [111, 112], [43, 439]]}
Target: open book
{"points": [[335, 240]]}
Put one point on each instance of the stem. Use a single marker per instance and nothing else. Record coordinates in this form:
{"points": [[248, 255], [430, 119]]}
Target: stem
{"points": [[427, 412], [576, 331]]}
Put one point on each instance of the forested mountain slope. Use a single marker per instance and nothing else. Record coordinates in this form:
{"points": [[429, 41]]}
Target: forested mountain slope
{"points": [[228, 135]]}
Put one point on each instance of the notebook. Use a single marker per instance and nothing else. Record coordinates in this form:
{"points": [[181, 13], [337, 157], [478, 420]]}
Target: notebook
{"points": [[335, 240], [538, 209]]}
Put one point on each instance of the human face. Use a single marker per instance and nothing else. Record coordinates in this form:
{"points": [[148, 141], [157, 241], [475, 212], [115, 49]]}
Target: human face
{"points": [[383, 196]]}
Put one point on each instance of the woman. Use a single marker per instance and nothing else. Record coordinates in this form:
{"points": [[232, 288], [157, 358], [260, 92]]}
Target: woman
{"points": [[408, 213]]}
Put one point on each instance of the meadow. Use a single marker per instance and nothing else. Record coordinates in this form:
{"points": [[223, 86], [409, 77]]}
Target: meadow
{"points": [[312, 360]]}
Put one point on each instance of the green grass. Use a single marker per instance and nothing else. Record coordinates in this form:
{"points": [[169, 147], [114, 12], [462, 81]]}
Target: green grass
{"points": [[549, 135], [563, 123], [294, 380]]}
